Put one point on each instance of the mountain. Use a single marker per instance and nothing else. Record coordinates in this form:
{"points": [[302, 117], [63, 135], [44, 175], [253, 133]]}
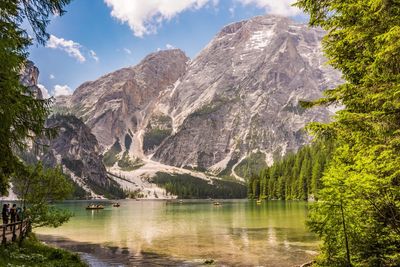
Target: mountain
{"points": [[74, 147], [29, 77], [77, 150], [235, 104], [114, 105], [241, 95]]}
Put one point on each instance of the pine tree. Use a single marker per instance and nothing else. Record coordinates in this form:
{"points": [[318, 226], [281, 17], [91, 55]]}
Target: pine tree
{"points": [[21, 115], [358, 217]]}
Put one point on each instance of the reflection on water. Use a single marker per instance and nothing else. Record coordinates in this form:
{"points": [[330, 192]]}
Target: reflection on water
{"points": [[160, 233]]}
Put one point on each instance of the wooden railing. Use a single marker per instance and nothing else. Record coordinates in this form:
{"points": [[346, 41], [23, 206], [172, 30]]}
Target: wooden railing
{"points": [[14, 231]]}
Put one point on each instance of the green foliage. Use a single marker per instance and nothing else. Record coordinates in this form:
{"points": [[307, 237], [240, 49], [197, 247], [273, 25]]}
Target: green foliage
{"points": [[126, 164], [22, 116], [134, 194], [111, 156], [160, 121], [75, 165], [36, 187], [252, 165], [295, 176], [154, 137], [34, 253], [186, 186], [110, 189], [128, 141], [78, 191], [212, 107], [358, 217]]}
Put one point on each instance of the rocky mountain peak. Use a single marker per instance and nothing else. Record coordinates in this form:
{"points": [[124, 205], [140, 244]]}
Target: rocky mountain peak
{"points": [[240, 95], [247, 25], [164, 57], [29, 77], [113, 105], [238, 98]]}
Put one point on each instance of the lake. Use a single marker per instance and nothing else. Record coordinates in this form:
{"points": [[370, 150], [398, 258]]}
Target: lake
{"points": [[162, 233]]}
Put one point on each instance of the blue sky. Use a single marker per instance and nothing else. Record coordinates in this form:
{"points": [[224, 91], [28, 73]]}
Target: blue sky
{"points": [[99, 36]]}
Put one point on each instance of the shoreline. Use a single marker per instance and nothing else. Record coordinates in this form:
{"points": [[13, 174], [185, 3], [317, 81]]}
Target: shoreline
{"points": [[98, 255]]}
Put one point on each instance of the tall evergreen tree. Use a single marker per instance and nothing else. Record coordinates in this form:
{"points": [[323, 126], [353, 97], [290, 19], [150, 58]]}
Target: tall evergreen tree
{"points": [[292, 176], [21, 115], [359, 215]]}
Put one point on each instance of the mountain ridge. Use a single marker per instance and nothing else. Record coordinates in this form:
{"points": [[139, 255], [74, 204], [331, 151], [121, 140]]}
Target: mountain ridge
{"points": [[238, 98]]}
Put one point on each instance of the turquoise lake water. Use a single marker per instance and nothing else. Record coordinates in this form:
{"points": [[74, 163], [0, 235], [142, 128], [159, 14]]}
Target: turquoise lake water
{"points": [[165, 233]]}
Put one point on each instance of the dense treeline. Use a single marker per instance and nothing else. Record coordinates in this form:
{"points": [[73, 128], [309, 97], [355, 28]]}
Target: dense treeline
{"points": [[296, 176], [358, 215], [186, 186]]}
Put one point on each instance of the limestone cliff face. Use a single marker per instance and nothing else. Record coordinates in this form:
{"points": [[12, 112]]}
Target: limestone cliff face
{"points": [[77, 150], [29, 77], [115, 105], [239, 96], [74, 147]]}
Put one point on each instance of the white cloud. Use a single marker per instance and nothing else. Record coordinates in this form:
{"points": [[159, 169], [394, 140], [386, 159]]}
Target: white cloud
{"points": [[45, 92], [232, 11], [52, 77], [277, 7], [169, 46], [94, 55], [60, 90], [144, 17], [128, 51], [69, 46]]}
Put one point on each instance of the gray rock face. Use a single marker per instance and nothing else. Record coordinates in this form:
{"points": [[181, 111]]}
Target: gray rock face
{"points": [[241, 94], [115, 104], [76, 148], [29, 77]]}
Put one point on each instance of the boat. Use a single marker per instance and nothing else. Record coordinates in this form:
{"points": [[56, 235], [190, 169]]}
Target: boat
{"points": [[259, 201], [216, 203], [116, 205], [95, 207]]}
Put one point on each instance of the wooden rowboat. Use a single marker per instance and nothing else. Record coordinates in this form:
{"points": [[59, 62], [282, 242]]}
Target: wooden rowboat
{"points": [[95, 207]]}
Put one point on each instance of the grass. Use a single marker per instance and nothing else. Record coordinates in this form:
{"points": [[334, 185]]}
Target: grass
{"points": [[34, 253]]}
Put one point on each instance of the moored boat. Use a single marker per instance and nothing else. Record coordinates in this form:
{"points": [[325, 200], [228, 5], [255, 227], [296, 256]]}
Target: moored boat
{"points": [[95, 207]]}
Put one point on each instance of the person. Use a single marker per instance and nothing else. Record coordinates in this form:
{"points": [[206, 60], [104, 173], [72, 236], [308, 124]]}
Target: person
{"points": [[13, 213], [19, 214], [4, 214]]}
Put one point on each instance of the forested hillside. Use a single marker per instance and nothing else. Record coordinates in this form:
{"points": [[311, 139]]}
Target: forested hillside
{"points": [[186, 186], [296, 176]]}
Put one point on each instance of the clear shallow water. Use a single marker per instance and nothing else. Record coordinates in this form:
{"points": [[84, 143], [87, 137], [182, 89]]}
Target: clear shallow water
{"points": [[161, 233]]}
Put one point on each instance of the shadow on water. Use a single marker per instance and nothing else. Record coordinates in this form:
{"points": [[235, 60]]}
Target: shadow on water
{"points": [[97, 255]]}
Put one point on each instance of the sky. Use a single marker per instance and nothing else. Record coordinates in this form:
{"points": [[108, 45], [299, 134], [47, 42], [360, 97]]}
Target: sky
{"points": [[100, 36]]}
